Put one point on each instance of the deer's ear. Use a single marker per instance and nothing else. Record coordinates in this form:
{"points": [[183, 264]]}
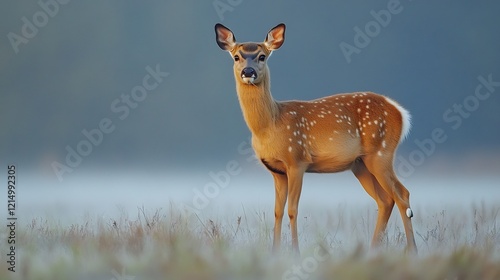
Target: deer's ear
{"points": [[224, 37], [275, 37]]}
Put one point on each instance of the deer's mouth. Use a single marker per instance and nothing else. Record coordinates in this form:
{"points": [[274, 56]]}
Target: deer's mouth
{"points": [[248, 80]]}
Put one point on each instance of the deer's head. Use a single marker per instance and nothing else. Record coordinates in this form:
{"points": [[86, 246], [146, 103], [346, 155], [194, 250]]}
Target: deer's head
{"points": [[250, 58]]}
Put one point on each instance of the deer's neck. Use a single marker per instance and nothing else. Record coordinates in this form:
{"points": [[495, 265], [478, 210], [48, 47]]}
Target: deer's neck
{"points": [[259, 108]]}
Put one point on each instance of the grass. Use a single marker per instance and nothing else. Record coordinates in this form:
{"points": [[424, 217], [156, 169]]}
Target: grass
{"points": [[172, 244]]}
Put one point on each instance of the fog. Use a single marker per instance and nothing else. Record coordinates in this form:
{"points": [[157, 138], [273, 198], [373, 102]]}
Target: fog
{"points": [[220, 195]]}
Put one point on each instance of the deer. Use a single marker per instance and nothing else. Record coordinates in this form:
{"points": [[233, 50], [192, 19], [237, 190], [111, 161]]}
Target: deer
{"points": [[357, 131]]}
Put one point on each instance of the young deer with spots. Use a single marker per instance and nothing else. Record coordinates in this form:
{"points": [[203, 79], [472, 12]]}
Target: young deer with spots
{"points": [[357, 131]]}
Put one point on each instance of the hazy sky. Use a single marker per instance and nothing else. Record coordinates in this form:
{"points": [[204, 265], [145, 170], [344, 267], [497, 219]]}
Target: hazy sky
{"points": [[74, 76]]}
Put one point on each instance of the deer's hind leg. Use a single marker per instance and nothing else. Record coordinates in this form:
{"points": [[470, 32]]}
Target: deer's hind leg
{"points": [[384, 201], [382, 170]]}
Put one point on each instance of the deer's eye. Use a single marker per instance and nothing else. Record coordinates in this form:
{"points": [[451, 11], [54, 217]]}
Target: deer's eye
{"points": [[236, 58], [262, 57]]}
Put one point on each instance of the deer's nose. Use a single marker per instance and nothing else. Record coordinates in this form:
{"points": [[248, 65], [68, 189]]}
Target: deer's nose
{"points": [[248, 72]]}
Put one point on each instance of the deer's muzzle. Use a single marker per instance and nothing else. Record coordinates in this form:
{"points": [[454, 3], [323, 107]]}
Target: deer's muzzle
{"points": [[248, 75]]}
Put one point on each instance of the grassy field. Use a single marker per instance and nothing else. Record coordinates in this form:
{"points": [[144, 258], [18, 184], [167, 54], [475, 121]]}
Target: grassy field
{"points": [[172, 244]]}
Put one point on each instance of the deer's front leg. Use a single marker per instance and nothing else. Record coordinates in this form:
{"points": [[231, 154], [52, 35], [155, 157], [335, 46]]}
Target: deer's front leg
{"points": [[295, 176], [281, 188]]}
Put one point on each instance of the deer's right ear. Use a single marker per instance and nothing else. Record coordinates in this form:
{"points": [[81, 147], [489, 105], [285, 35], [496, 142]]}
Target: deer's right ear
{"points": [[224, 37]]}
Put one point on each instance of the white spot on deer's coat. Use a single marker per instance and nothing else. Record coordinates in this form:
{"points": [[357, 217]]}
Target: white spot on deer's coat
{"points": [[304, 136], [290, 149], [288, 127], [379, 153], [383, 144]]}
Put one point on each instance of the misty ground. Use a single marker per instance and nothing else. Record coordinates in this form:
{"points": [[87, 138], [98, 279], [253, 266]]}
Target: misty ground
{"points": [[97, 225]]}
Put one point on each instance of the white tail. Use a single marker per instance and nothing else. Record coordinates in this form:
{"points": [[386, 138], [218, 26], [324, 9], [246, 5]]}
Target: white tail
{"points": [[357, 131]]}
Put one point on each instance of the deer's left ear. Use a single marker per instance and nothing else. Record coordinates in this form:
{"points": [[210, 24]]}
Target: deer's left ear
{"points": [[224, 37], [275, 37]]}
